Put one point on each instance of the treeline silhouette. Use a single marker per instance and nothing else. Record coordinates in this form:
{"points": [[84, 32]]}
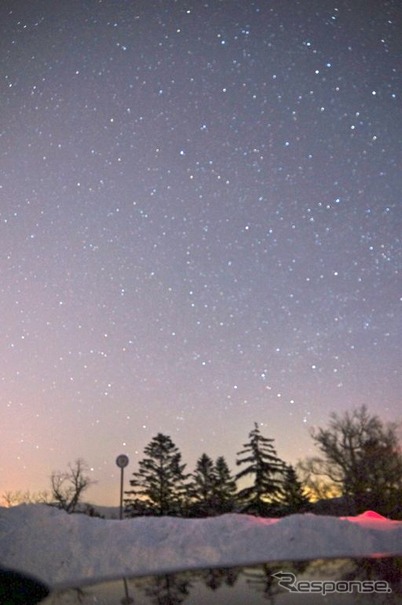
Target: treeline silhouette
{"points": [[161, 486], [360, 464], [359, 468]]}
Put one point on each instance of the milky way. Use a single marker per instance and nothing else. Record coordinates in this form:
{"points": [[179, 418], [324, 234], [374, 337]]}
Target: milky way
{"points": [[200, 226]]}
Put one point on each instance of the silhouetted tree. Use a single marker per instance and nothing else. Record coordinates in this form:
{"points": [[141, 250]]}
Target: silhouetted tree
{"points": [[213, 488], [11, 498], [318, 485], [203, 486], [267, 471], [294, 499], [362, 457], [68, 487], [225, 487], [160, 482]]}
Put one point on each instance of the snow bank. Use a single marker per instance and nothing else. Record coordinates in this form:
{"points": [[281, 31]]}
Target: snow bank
{"points": [[61, 548]]}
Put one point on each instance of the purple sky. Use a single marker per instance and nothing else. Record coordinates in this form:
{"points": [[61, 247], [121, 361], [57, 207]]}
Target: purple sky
{"points": [[200, 227]]}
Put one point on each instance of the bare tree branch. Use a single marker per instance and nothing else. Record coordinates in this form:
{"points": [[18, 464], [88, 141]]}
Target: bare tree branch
{"points": [[68, 487]]}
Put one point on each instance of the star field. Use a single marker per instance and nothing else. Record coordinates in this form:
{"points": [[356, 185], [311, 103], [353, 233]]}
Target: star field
{"points": [[200, 226]]}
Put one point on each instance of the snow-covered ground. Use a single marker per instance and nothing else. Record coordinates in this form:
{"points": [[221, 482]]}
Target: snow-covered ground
{"points": [[63, 549]]}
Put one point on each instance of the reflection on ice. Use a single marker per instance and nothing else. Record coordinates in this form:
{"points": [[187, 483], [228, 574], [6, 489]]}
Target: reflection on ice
{"points": [[334, 581]]}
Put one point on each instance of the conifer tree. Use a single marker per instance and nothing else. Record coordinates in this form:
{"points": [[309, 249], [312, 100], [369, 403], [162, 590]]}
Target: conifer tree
{"points": [[202, 488], [213, 488], [159, 485], [225, 489], [267, 471], [293, 496]]}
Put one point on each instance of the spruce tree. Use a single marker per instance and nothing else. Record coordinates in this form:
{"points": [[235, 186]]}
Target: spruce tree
{"points": [[267, 471], [225, 488], [159, 485], [213, 488], [293, 496], [202, 488]]}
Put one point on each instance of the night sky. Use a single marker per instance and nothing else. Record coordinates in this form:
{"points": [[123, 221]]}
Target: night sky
{"points": [[200, 227]]}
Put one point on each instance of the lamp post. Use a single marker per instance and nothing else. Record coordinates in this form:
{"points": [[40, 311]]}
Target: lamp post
{"points": [[121, 462]]}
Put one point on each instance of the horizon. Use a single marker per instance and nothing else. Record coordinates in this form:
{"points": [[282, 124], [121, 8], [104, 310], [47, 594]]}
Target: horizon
{"points": [[115, 484]]}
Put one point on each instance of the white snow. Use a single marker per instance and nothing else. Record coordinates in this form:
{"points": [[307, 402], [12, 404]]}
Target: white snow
{"points": [[63, 549]]}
